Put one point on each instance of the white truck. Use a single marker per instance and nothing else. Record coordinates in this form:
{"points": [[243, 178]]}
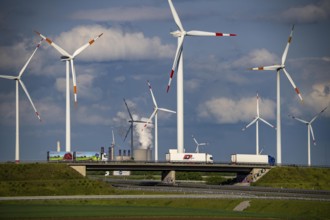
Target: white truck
{"points": [[174, 157], [252, 159]]}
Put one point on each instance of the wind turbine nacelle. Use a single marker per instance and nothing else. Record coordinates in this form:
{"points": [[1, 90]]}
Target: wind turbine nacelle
{"points": [[177, 33], [65, 58]]}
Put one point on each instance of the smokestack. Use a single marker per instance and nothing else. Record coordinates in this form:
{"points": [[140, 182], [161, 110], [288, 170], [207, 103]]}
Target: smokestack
{"points": [[110, 153], [58, 146]]}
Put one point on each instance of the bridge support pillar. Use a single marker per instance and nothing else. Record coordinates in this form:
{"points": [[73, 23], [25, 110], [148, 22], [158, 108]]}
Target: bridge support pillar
{"points": [[168, 176], [80, 169]]}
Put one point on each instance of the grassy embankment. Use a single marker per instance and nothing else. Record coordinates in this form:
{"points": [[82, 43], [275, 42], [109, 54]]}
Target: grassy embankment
{"points": [[296, 177], [47, 179]]}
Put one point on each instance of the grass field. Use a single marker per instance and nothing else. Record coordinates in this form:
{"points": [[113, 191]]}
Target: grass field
{"points": [[296, 177], [47, 179], [169, 208]]}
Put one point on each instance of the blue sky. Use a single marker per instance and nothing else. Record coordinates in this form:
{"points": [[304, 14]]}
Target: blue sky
{"points": [[137, 46]]}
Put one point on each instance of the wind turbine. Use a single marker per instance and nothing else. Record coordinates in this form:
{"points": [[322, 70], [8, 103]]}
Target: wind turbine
{"points": [[68, 58], [279, 67], [256, 120], [131, 127], [19, 81], [310, 131], [178, 63], [155, 114], [198, 144]]}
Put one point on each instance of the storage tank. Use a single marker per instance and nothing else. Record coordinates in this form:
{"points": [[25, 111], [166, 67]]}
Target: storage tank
{"points": [[142, 154]]}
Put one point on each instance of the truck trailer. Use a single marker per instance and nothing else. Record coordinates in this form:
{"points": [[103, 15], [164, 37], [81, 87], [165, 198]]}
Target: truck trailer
{"points": [[174, 157], [252, 159]]}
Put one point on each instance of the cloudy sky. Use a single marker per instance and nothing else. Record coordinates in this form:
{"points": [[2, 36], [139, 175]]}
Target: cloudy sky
{"points": [[136, 46]]}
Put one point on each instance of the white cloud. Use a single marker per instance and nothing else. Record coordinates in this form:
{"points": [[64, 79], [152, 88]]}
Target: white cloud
{"points": [[15, 56], [225, 110], [114, 44], [85, 88], [215, 68], [316, 100], [60, 85], [326, 59], [192, 85], [93, 115], [257, 57], [48, 110], [307, 14], [120, 79], [125, 14]]}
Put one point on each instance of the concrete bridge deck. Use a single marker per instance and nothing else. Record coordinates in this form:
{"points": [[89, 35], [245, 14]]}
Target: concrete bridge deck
{"points": [[167, 169]]}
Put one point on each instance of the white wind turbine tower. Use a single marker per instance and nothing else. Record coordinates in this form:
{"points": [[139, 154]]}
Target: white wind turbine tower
{"points": [[113, 143], [68, 58], [256, 120], [155, 114], [178, 63], [278, 116], [19, 81], [309, 131], [198, 144], [131, 127]]}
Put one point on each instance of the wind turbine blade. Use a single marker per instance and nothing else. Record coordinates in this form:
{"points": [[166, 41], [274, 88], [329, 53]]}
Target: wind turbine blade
{"points": [[251, 123], [293, 84], [82, 48], [318, 115], [267, 123], [139, 121], [26, 64], [195, 140], [175, 16], [176, 61], [58, 48], [130, 115], [285, 53], [208, 34], [274, 67], [28, 95], [152, 95], [151, 116], [8, 77], [130, 127], [311, 128], [166, 110], [258, 114], [298, 119], [74, 80]]}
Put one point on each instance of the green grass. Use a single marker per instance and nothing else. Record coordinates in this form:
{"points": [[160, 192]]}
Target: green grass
{"points": [[47, 179], [296, 177], [207, 208]]}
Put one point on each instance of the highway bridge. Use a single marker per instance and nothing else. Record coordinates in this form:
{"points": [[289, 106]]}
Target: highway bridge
{"points": [[252, 172]]}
